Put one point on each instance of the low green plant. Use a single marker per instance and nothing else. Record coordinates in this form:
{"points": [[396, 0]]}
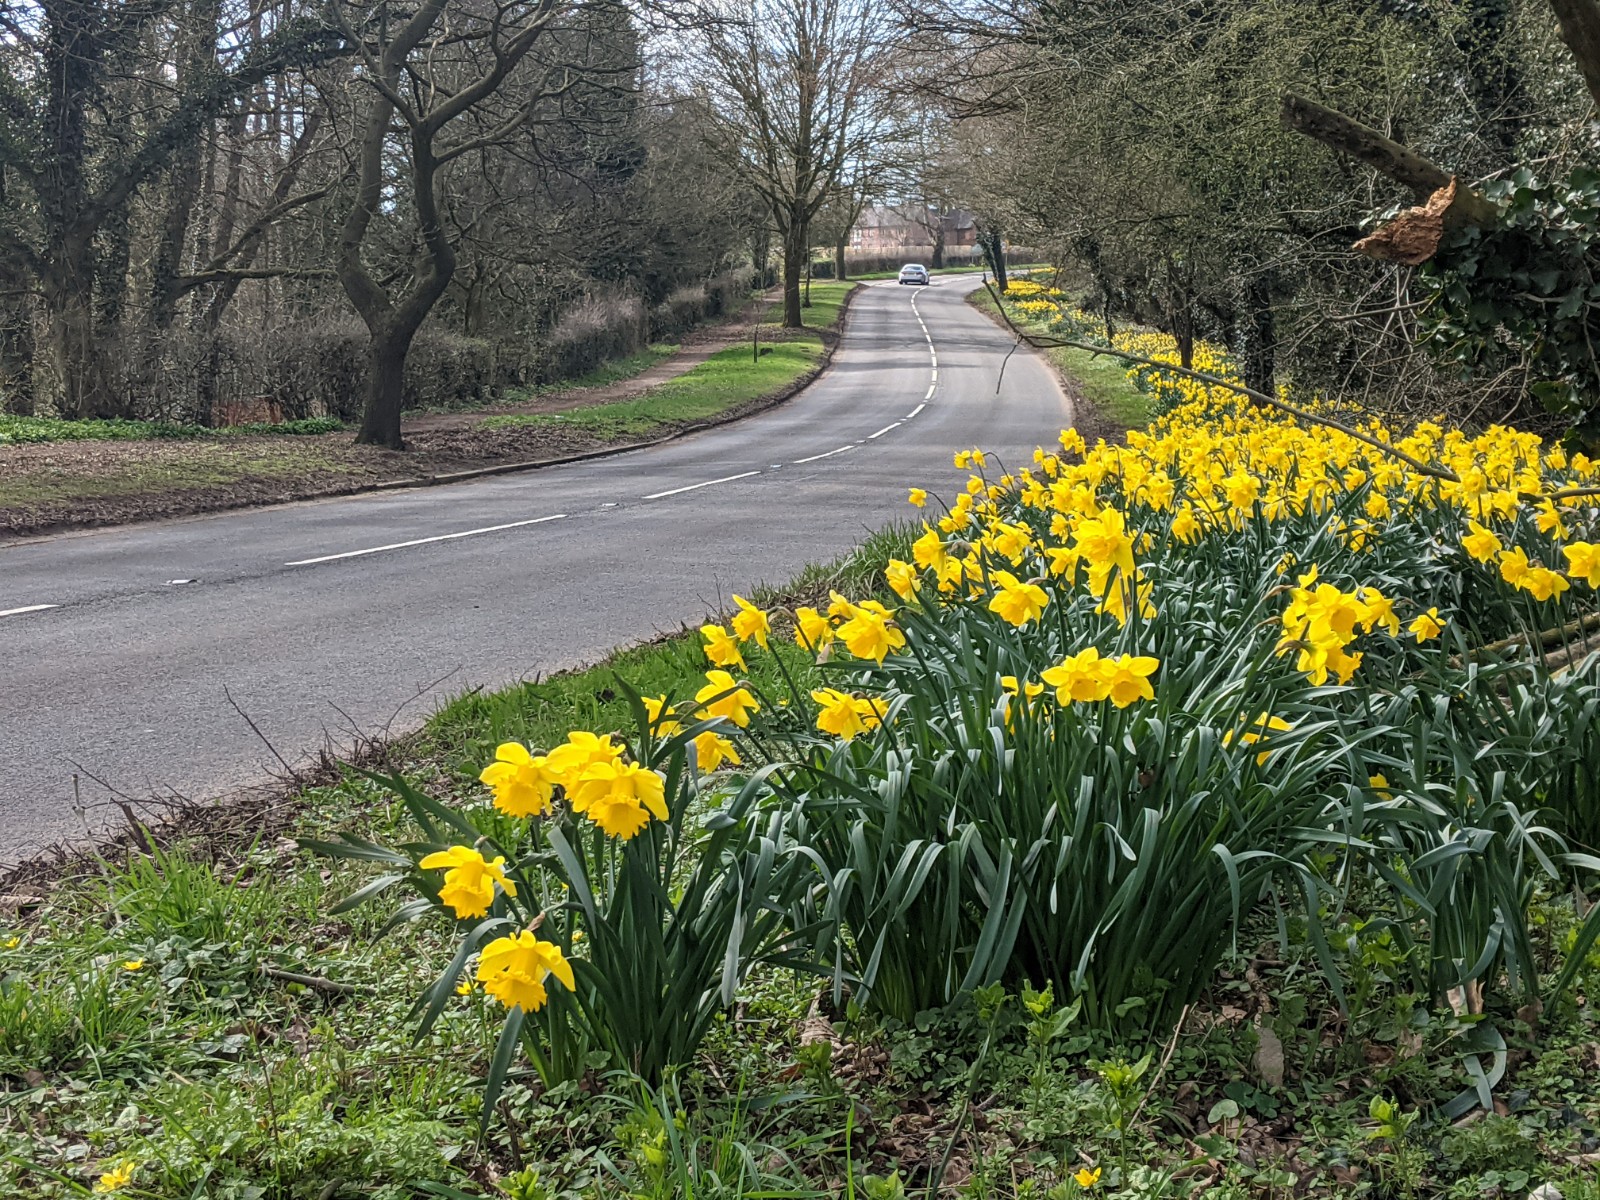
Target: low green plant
{"points": [[658, 922]]}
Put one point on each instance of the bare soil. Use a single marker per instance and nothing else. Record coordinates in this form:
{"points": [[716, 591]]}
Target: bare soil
{"points": [[54, 486]]}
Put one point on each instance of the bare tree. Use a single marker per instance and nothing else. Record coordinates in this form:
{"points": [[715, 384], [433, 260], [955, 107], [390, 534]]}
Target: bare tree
{"points": [[798, 85], [445, 66]]}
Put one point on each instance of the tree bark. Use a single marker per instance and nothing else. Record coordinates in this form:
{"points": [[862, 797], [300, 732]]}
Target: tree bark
{"points": [[994, 248], [1385, 156], [838, 257], [1259, 334], [1580, 30], [387, 350], [794, 265]]}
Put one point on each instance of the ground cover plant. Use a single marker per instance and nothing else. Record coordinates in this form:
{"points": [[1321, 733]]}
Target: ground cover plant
{"points": [[16, 430], [1211, 815]]}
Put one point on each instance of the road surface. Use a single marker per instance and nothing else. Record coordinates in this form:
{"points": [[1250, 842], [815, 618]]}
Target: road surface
{"points": [[120, 648]]}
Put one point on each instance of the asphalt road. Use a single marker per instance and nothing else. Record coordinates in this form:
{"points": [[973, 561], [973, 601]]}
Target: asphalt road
{"points": [[120, 648]]}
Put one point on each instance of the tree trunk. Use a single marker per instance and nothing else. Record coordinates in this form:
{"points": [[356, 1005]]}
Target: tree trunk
{"points": [[995, 250], [1259, 335], [385, 395], [16, 356], [67, 286], [938, 246], [838, 259], [794, 265]]}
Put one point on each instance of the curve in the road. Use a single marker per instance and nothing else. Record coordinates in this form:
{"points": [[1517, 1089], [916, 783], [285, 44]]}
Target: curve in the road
{"points": [[125, 650]]}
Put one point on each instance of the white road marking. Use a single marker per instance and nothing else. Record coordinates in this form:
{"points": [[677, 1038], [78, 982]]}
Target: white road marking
{"points": [[932, 387], [884, 430], [916, 410], [443, 537], [829, 454], [707, 483], [935, 377], [26, 608]]}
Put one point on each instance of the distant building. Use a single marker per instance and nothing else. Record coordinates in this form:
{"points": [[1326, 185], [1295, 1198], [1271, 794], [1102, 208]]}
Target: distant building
{"points": [[891, 228]]}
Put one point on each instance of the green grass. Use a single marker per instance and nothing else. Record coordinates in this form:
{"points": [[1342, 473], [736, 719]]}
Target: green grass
{"points": [[1098, 378], [604, 375], [724, 381], [209, 464], [220, 1074], [827, 299], [20, 430]]}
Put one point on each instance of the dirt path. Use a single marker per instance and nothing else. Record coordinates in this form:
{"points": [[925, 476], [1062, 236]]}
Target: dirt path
{"points": [[697, 346]]}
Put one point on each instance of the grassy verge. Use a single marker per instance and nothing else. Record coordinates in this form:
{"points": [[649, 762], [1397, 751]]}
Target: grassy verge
{"points": [[16, 430], [1099, 379], [199, 1016], [728, 379], [195, 1009]]}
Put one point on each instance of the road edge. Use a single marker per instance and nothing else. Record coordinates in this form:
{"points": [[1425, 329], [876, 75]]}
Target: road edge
{"points": [[831, 338]]}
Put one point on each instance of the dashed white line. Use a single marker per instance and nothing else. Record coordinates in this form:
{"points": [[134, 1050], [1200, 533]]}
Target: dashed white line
{"points": [[443, 537], [932, 387], [693, 486], [885, 430], [26, 608], [829, 454], [917, 409]]}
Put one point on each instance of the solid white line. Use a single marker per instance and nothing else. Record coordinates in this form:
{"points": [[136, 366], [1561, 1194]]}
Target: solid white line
{"points": [[443, 537], [707, 483], [829, 454], [26, 608], [916, 410], [883, 431]]}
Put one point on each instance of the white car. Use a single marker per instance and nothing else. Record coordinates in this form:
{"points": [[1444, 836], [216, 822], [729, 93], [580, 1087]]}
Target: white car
{"points": [[914, 273]]}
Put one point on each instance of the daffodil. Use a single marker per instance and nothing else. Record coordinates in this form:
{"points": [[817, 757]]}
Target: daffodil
{"points": [[918, 497], [1583, 562], [1481, 543], [1265, 723], [1427, 625], [1127, 678], [569, 760], [1016, 602], [660, 717], [843, 715], [811, 629], [469, 879], [722, 648], [869, 634], [619, 797], [723, 697], [902, 578], [711, 750], [522, 783], [1078, 678], [513, 970], [749, 622]]}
